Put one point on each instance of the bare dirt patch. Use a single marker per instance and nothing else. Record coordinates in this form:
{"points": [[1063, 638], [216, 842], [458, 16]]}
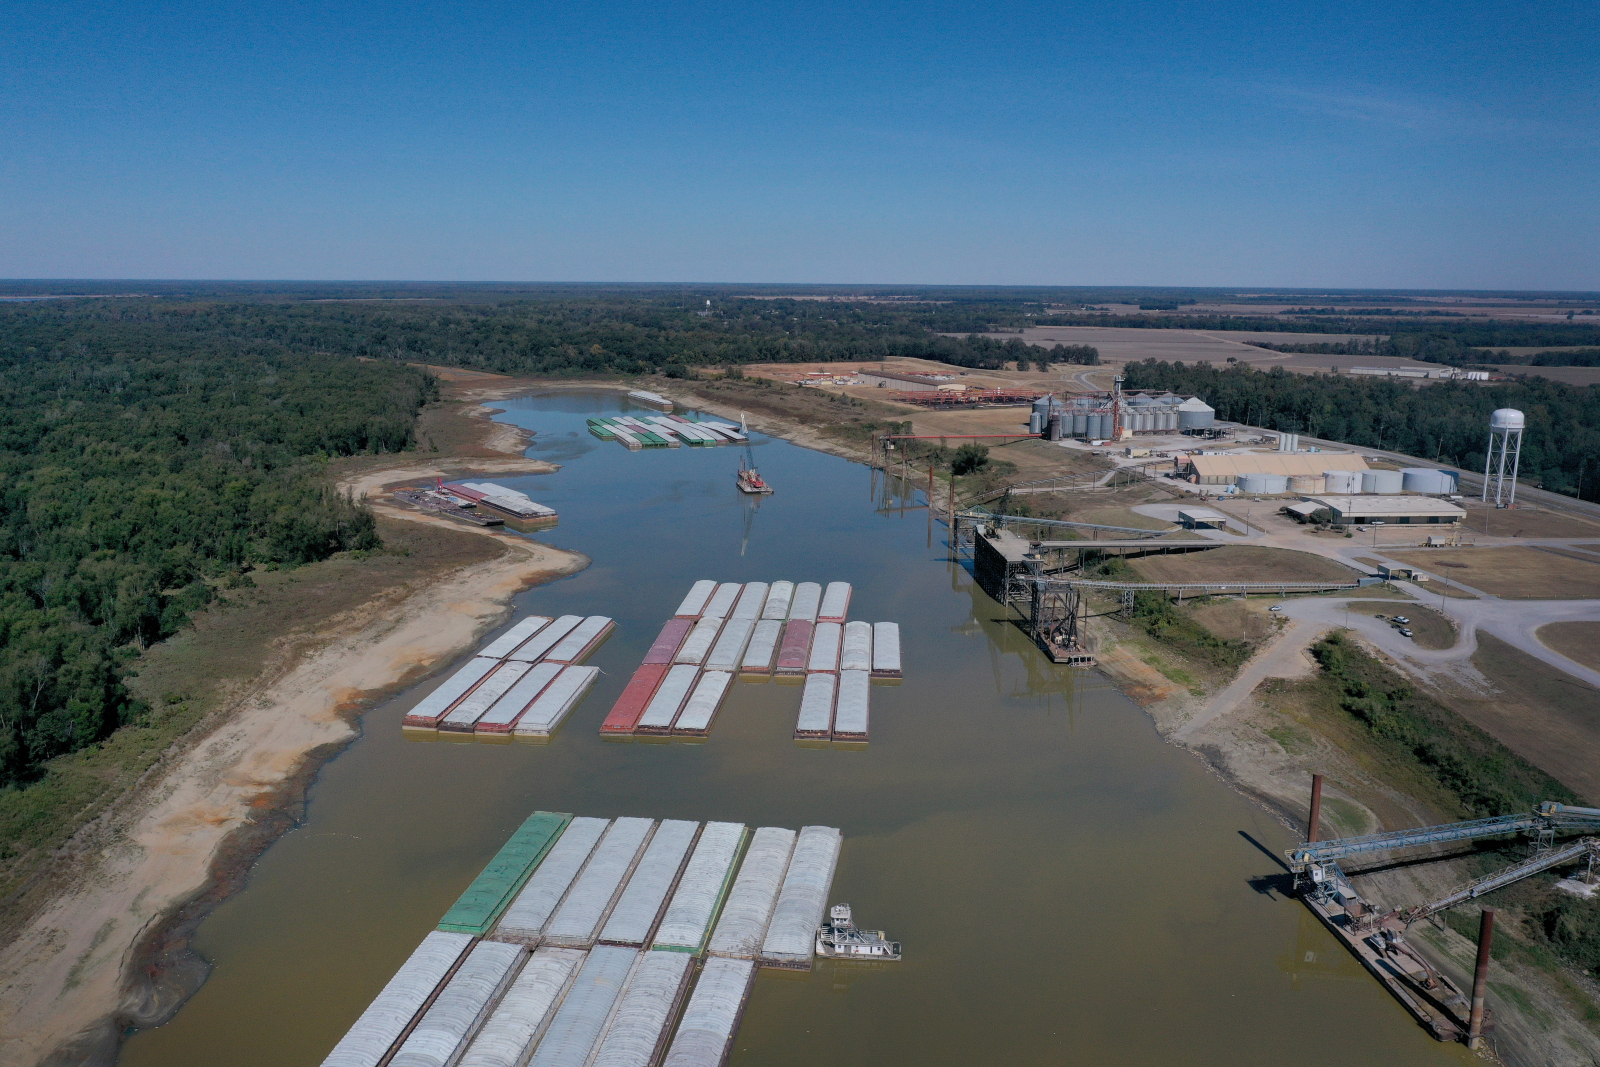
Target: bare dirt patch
{"points": [[1513, 572], [1578, 641], [1243, 563]]}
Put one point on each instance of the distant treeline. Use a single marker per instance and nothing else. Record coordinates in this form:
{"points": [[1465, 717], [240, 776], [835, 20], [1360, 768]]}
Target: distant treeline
{"points": [[1445, 422], [142, 464]]}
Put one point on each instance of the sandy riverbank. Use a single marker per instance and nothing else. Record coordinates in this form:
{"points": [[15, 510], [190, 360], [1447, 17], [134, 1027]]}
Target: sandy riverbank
{"points": [[111, 951]]}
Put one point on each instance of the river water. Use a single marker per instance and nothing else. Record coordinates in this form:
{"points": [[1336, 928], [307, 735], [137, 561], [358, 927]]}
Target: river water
{"points": [[1069, 889]]}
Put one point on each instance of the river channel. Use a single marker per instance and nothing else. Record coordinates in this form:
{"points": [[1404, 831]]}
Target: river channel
{"points": [[1069, 888]]}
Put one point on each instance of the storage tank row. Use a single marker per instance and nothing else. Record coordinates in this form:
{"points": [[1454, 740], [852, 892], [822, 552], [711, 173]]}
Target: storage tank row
{"points": [[1090, 417], [1425, 481]]}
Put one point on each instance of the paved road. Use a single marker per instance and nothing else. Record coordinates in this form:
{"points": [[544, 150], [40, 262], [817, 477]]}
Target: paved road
{"points": [[1284, 658]]}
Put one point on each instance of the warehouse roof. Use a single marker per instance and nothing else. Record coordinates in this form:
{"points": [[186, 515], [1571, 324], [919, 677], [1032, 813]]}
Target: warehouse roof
{"points": [[1312, 464], [1383, 505]]}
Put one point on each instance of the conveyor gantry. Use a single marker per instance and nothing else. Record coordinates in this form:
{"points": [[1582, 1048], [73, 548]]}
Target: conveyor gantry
{"points": [[1545, 819], [1585, 848]]}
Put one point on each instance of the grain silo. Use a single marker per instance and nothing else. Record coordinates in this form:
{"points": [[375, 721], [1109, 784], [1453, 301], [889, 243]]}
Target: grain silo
{"points": [[1263, 483], [1196, 414], [1342, 483]]}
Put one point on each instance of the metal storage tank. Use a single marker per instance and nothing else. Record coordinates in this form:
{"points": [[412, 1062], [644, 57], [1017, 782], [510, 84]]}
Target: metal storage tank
{"points": [[1307, 483], [1169, 420], [1382, 481], [1263, 483], [1427, 480], [1080, 424], [1035, 423], [1041, 407], [1196, 414], [1342, 483], [1507, 419], [1053, 430], [1097, 427]]}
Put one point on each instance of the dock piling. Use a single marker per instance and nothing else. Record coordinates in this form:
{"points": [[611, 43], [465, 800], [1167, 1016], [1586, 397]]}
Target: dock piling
{"points": [[1315, 818], [1480, 978]]}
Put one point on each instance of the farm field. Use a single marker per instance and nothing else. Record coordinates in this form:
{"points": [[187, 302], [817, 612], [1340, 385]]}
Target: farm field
{"points": [[1513, 572], [1527, 522]]}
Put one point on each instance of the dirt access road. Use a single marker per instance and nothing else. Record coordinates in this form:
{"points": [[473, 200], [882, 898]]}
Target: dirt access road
{"points": [[109, 951]]}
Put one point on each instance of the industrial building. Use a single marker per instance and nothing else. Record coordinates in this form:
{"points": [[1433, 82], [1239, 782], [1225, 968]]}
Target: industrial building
{"points": [[1401, 510], [1095, 417], [1285, 470]]}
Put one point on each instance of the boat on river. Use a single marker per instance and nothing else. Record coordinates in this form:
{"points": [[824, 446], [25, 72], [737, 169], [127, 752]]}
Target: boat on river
{"points": [[841, 938]]}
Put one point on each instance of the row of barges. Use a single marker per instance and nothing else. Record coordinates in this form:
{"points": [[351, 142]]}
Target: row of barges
{"points": [[664, 431], [619, 942]]}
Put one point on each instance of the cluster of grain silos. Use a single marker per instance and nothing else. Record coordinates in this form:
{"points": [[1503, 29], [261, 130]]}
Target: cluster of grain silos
{"points": [[1091, 418]]}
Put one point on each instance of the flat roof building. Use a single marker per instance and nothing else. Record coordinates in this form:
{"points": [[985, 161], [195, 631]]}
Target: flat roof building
{"points": [[1384, 508], [1225, 469], [1195, 518]]}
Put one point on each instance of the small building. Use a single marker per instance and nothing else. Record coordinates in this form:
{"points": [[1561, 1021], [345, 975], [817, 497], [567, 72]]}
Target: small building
{"points": [[1202, 518], [1397, 510]]}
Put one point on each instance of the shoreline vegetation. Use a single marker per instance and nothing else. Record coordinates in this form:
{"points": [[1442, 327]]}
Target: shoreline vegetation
{"points": [[98, 904]]}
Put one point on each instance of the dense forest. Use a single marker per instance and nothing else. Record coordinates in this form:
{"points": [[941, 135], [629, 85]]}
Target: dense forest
{"points": [[142, 465], [1445, 422]]}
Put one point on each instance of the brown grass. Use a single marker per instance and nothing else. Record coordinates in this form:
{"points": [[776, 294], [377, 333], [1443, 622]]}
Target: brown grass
{"points": [[1512, 572], [1547, 717], [1527, 522], [1243, 563], [1578, 641]]}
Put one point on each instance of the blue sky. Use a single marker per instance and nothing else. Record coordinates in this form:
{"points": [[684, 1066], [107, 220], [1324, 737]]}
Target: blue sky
{"points": [[1385, 144]]}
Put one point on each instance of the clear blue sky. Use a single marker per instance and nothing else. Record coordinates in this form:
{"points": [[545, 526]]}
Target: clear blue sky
{"points": [[1392, 144]]}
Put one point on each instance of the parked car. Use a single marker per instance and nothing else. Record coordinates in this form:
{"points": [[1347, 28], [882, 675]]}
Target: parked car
{"points": [[1401, 619]]}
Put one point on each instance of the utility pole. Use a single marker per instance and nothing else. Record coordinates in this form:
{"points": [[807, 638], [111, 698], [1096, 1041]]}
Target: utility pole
{"points": [[1480, 979]]}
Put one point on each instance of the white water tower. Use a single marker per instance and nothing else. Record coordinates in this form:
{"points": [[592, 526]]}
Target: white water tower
{"points": [[1505, 426]]}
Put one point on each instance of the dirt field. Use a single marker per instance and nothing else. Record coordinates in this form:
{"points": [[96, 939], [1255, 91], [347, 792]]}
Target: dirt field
{"points": [[1238, 620], [1243, 563], [1569, 375], [1512, 572], [1578, 641], [1548, 718], [1527, 522]]}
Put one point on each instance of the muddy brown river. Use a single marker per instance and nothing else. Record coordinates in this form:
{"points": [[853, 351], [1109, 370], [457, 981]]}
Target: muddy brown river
{"points": [[1069, 888]]}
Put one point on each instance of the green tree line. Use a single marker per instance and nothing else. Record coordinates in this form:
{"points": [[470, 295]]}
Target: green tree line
{"points": [[142, 465], [1444, 422]]}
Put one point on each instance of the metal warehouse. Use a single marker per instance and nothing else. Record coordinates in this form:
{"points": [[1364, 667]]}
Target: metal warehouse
{"points": [[1389, 509]]}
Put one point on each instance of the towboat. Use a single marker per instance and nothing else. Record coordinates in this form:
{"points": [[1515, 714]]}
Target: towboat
{"points": [[840, 938]]}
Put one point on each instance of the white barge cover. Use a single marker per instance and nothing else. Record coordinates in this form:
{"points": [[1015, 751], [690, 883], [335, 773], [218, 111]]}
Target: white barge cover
{"points": [[503, 713], [524, 920], [433, 706], [701, 708], [583, 640], [886, 649], [700, 890], [507, 643], [816, 706], [626, 438], [792, 935], [663, 707], [825, 647], [835, 603], [856, 653], [763, 647], [778, 597], [712, 1017], [695, 602], [850, 710], [751, 601], [589, 901], [557, 702], [722, 600], [546, 639], [643, 1020], [367, 1042], [633, 920], [807, 601], [700, 640], [744, 919], [519, 1019], [495, 686], [581, 1019], [728, 652], [461, 1006]]}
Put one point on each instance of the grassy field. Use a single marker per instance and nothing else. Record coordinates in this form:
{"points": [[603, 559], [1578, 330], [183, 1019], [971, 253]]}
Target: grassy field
{"points": [[1513, 572], [1243, 563], [189, 680], [1527, 522], [1578, 641], [1547, 717], [1432, 629]]}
